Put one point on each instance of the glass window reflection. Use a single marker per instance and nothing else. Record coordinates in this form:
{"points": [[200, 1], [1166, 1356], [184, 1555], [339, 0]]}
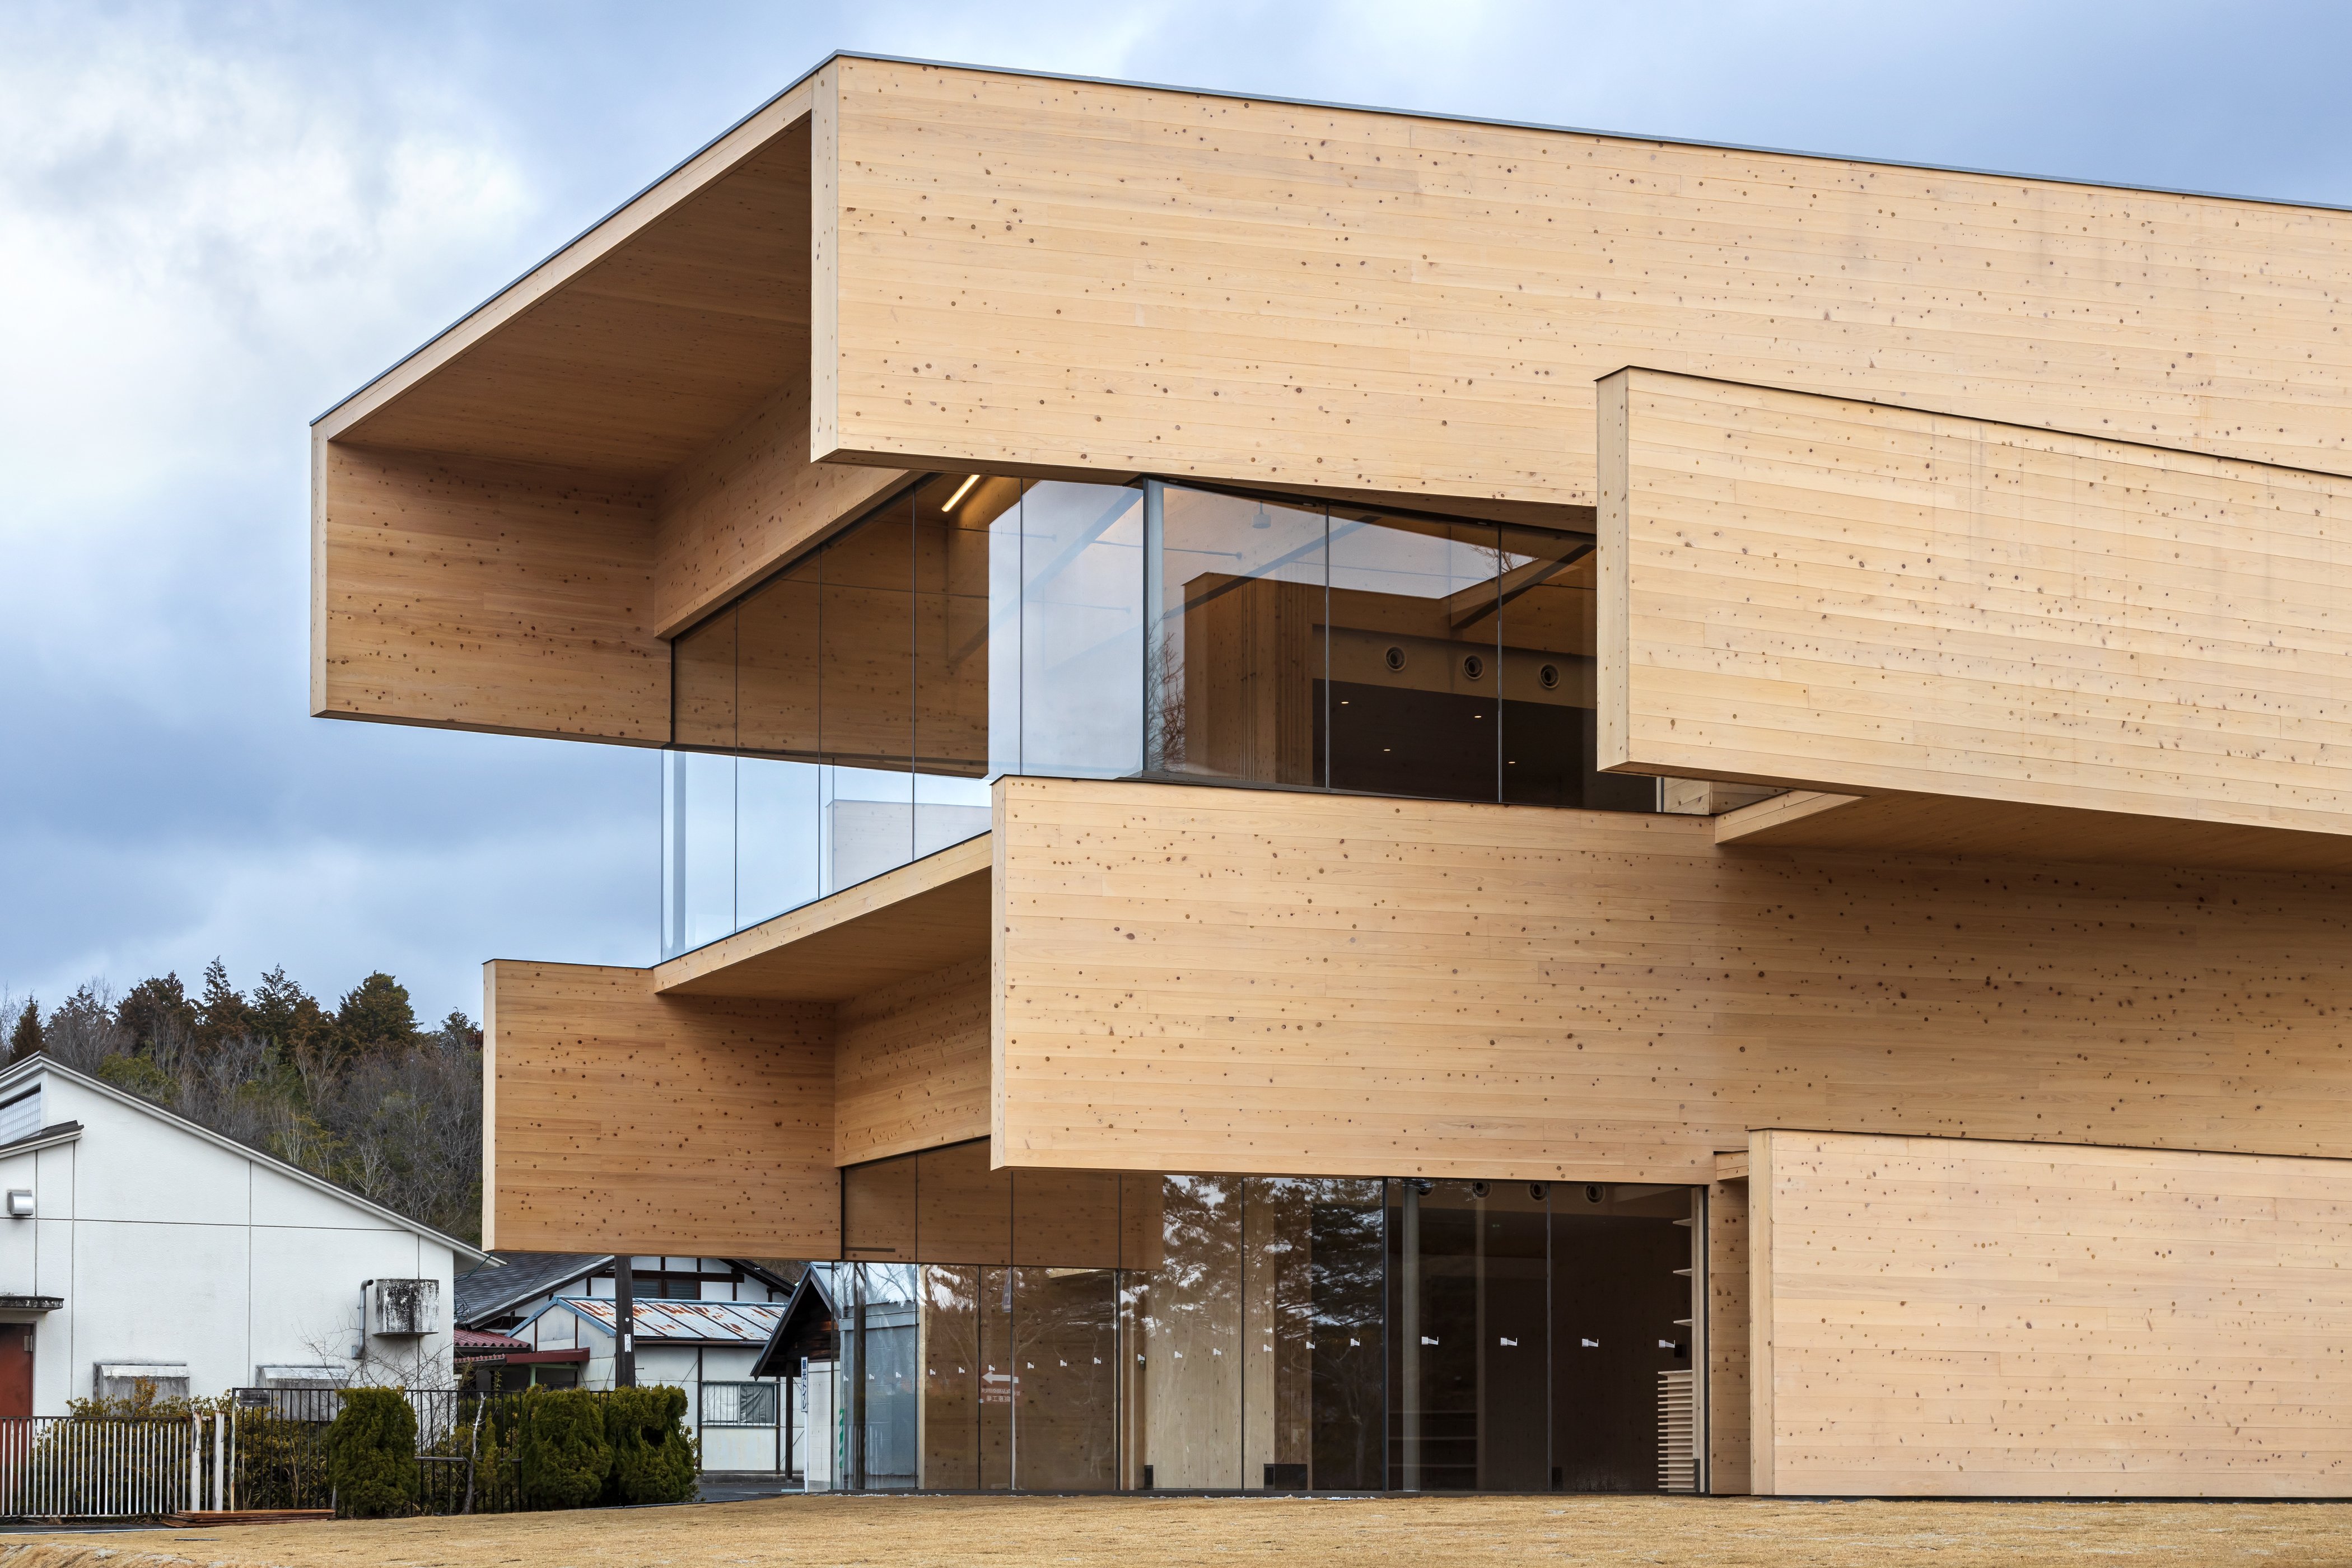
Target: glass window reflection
{"points": [[976, 624], [1217, 1332]]}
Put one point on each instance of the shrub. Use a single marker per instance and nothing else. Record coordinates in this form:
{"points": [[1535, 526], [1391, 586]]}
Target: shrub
{"points": [[653, 1458], [372, 1454], [561, 1455]]}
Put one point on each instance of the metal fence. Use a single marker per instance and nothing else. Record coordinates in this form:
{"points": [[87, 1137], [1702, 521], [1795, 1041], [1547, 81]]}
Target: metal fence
{"points": [[68, 1466], [265, 1449]]}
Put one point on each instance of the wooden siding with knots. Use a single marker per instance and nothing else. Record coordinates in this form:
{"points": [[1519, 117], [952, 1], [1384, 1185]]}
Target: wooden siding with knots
{"points": [[1844, 595], [1942, 1317], [1233, 980], [1070, 275], [619, 1121]]}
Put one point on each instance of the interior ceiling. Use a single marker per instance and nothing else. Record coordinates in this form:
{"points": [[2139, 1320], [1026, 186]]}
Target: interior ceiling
{"points": [[648, 355]]}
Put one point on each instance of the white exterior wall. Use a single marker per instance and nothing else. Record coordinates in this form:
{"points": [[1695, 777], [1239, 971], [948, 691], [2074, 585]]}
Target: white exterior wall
{"points": [[680, 1366], [168, 1247]]}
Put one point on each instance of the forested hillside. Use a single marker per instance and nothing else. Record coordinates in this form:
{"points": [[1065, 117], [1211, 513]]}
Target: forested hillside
{"points": [[359, 1094]]}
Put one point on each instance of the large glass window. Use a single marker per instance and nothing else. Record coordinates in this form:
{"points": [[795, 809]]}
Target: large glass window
{"points": [[861, 700], [1081, 1330]]}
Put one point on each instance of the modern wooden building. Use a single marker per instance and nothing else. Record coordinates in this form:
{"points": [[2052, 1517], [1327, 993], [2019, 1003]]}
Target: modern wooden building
{"points": [[1366, 800]]}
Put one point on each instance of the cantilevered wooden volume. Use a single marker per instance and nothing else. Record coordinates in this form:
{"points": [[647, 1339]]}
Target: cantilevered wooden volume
{"points": [[1847, 596]]}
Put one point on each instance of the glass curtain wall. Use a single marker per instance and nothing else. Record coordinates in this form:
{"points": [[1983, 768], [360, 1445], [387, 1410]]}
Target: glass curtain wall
{"points": [[1076, 1330], [845, 718]]}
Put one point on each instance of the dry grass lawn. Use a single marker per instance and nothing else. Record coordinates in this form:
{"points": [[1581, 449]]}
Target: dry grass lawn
{"points": [[837, 1531]]}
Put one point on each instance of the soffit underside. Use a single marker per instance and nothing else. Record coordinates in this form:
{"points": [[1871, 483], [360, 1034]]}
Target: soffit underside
{"points": [[650, 354]]}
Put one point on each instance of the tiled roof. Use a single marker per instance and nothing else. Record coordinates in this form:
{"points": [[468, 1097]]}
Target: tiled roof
{"points": [[480, 1339], [489, 1290]]}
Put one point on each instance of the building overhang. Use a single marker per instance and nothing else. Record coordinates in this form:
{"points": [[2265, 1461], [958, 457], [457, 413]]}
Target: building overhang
{"points": [[918, 919]]}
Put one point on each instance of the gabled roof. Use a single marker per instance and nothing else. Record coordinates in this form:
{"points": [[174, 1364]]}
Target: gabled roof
{"points": [[509, 1278], [43, 1067], [662, 1320], [808, 1326]]}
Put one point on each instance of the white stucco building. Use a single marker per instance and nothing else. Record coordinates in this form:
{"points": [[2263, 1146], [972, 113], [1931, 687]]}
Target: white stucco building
{"points": [[699, 1325], [135, 1245]]}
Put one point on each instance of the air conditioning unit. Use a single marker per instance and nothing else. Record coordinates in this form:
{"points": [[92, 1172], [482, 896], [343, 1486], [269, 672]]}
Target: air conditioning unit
{"points": [[404, 1308]]}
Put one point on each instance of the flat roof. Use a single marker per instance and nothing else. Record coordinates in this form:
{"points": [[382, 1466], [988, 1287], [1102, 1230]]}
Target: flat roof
{"points": [[1302, 103]]}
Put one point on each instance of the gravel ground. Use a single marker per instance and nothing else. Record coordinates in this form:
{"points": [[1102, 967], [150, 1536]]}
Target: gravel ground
{"points": [[838, 1532]]}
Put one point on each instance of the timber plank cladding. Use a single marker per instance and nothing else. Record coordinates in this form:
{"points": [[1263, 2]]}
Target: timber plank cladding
{"points": [[617, 1118], [1070, 275], [1233, 979], [1936, 1316], [1817, 592]]}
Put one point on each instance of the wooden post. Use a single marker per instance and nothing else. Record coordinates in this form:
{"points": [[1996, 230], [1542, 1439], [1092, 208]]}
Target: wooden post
{"points": [[625, 1324]]}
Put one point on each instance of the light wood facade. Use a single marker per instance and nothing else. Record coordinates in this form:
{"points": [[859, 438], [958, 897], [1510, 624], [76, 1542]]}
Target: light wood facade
{"points": [[1838, 595], [615, 1119], [1974, 566], [1964, 1318]]}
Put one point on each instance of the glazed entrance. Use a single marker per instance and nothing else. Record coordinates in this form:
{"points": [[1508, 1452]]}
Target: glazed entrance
{"points": [[1069, 1330]]}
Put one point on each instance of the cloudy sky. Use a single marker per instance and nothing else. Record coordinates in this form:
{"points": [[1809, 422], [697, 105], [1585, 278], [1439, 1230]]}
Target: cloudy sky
{"points": [[217, 219]]}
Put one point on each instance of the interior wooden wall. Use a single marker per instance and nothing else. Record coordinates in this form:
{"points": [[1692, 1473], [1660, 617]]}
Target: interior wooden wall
{"points": [[1962, 1317], [620, 1121], [1207, 979], [1088, 276], [1727, 1402], [913, 1065], [1852, 596], [480, 593]]}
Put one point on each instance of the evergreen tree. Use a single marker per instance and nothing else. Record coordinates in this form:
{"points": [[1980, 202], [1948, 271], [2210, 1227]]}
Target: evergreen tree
{"points": [[289, 1018], [375, 1016], [221, 1012], [25, 1039], [155, 1007]]}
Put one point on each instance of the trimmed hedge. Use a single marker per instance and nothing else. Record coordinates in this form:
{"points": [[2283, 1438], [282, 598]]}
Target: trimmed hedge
{"points": [[653, 1458], [561, 1455], [372, 1454]]}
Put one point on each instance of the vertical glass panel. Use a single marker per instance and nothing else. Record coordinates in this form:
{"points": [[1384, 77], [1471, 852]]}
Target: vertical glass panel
{"points": [[1472, 1274], [952, 1365], [1233, 685], [1622, 1307], [887, 1409], [703, 684], [878, 1210], [1066, 1219], [1548, 675], [778, 667], [697, 849], [1434, 1384], [866, 720], [1081, 630], [1313, 1383], [1514, 1279], [869, 823], [1065, 1378], [1413, 705], [998, 1379], [1005, 643], [777, 812], [952, 515], [1182, 1333], [965, 1208], [948, 811]]}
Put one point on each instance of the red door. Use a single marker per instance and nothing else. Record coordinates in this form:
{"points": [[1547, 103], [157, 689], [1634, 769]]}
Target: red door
{"points": [[16, 1369]]}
